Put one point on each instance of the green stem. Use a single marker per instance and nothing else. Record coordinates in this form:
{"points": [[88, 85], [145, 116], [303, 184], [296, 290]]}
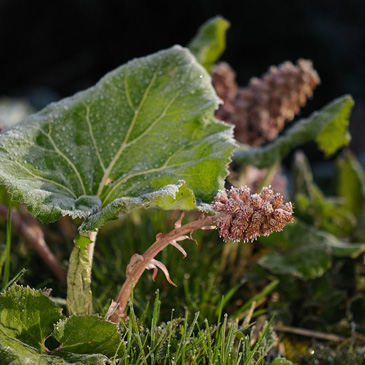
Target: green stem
{"points": [[91, 246], [8, 247], [79, 296]]}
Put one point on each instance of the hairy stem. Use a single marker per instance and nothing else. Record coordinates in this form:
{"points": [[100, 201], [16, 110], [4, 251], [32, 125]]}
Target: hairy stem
{"points": [[136, 268], [79, 296], [241, 216]]}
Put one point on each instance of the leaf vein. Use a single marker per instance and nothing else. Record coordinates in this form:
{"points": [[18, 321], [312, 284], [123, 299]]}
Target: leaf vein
{"points": [[160, 117], [124, 143], [92, 135], [66, 159], [165, 166], [127, 93], [46, 180]]}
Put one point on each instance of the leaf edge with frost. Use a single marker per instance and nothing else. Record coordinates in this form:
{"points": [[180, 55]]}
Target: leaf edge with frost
{"points": [[85, 205]]}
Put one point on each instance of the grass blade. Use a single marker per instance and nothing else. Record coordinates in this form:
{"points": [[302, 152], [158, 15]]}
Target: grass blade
{"points": [[267, 290]]}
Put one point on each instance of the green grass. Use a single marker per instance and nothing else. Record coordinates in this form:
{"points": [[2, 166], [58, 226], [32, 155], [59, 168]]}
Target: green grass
{"points": [[184, 341], [201, 321]]}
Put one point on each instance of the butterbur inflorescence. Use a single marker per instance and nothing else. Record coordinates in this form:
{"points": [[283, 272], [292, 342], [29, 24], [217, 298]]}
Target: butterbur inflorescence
{"points": [[260, 110], [250, 215], [224, 82], [242, 216]]}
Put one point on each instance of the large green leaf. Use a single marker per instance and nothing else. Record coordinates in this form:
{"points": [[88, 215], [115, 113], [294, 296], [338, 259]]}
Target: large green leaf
{"points": [[27, 315], [210, 41], [176, 196], [88, 334], [305, 251], [28, 318], [143, 126], [328, 128], [18, 353], [12, 111]]}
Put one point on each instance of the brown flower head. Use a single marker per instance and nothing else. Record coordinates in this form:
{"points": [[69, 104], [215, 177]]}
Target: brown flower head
{"points": [[260, 110], [224, 82], [250, 215]]}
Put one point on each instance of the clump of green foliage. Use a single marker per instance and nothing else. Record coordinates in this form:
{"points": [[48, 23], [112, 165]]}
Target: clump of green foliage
{"points": [[145, 137]]}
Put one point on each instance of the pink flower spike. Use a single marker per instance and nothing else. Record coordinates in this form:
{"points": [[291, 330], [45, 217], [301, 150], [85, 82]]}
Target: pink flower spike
{"points": [[163, 268], [247, 216]]}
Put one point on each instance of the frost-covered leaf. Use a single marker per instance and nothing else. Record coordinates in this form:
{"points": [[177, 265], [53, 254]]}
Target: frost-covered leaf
{"points": [[88, 334], [18, 353], [12, 111], [210, 41], [145, 125], [328, 128], [27, 315], [169, 197], [305, 251], [28, 318]]}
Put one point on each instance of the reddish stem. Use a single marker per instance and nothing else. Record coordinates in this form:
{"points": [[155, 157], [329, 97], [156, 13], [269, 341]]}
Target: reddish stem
{"points": [[136, 269], [33, 235]]}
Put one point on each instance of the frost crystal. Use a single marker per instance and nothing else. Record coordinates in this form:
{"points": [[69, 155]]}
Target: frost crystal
{"points": [[251, 215]]}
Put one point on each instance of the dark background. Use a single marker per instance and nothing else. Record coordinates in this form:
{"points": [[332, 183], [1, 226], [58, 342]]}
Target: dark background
{"points": [[51, 49]]}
